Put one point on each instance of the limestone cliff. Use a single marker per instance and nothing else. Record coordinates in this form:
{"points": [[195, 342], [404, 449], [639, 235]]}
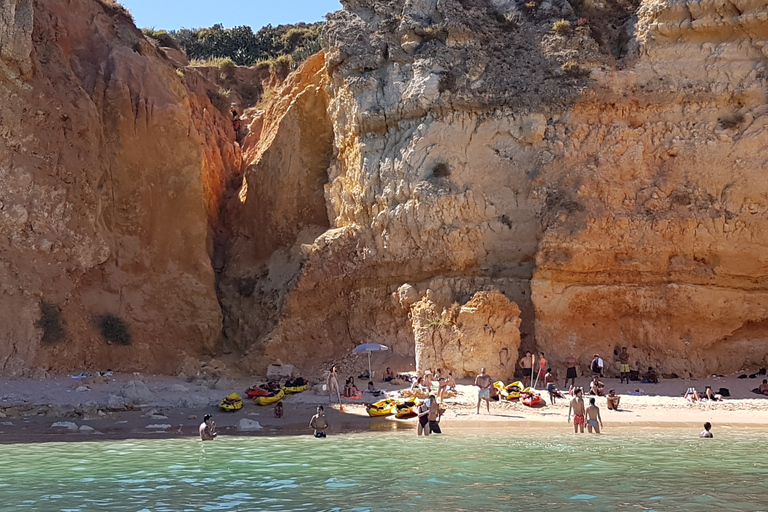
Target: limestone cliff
{"points": [[606, 176], [104, 238]]}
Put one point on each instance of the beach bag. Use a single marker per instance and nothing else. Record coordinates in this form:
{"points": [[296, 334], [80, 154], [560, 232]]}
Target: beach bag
{"points": [[724, 392], [634, 375]]}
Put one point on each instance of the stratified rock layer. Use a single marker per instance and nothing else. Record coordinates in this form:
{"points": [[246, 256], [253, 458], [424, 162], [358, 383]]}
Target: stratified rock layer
{"points": [[483, 333], [102, 205], [608, 179]]}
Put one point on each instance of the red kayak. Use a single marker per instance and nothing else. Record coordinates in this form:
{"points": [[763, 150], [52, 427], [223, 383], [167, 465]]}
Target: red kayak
{"points": [[255, 392], [531, 399]]}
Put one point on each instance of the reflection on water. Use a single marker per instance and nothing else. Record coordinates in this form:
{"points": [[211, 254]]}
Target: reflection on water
{"points": [[647, 470]]}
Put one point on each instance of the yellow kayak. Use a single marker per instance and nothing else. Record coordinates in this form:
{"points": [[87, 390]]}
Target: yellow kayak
{"points": [[232, 402], [266, 400], [405, 408], [381, 408], [512, 392], [296, 389]]}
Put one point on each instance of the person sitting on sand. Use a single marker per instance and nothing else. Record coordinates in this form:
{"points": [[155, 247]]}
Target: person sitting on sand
{"points": [[763, 388], [208, 428], [596, 387], [594, 421], [650, 376], [349, 388], [691, 395], [371, 388], [706, 433], [577, 407], [318, 422], [612, 400], [389, 376], [709, 394], [279, 410]]}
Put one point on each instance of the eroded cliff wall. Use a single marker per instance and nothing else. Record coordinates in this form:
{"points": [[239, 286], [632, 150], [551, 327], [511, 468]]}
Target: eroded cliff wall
{"points": [[607, 177], [107, 166]]}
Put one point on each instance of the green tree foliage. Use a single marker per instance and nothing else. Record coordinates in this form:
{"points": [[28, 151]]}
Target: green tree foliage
{"points": [[245, 47]]}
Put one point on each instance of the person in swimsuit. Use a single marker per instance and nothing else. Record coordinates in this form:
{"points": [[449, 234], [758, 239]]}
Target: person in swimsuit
{"points": [[706, 433], [318, 422], [279, 410], [423, 412], [594, 421], [612, 400], [763, 388], [624, 369], [208, 428], [526, 363], [483, 382], [577, 407], [388, 375], [542, 367], [596, 387], [434, 413], [549, 381], [332, 384], [570, 372]]}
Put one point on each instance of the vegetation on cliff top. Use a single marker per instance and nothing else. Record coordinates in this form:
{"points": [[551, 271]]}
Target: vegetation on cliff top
{"points": [[291, 43]]}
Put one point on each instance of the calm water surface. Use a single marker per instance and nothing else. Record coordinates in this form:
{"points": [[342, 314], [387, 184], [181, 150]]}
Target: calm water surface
{"points": [[651, 470]]}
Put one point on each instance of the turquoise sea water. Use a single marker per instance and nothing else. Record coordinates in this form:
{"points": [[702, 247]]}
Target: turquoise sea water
{"points": [[651, 470]]}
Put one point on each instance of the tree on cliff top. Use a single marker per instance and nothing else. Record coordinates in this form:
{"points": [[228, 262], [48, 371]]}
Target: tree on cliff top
{"points": [[244, 46]]}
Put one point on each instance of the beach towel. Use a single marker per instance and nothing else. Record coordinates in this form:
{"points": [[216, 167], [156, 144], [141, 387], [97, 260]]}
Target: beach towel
{"points": [[635, 392]]}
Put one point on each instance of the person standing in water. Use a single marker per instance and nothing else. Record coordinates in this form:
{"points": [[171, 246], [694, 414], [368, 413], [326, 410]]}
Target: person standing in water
{"points": [[483, 382], [434, 413], [594, 421], [624, 361], [208, 428], [332, 384], [577, 407], [706, 432], [423, 425], [318, 422]]}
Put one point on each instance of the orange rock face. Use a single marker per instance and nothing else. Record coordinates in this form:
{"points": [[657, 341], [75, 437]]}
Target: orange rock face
{"points": [[103, 209]]}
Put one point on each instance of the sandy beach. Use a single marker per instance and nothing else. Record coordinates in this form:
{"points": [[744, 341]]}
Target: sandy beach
{"points": [[134, 405]]}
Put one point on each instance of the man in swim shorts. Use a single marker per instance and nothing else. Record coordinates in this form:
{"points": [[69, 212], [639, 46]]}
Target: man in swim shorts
{"points": [[208, 428], [594, 421], [577, 407], [318, 422], [612, 400], [483, 382], [549, 381], [624, 369], [526, 363], [570, 372]]}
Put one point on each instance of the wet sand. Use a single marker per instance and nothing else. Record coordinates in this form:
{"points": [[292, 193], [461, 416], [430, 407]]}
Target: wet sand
{"points": [[139, 406]]}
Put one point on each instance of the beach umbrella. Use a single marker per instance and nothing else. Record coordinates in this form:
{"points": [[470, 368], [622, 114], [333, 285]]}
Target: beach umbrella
{"points": [[368, 348]]}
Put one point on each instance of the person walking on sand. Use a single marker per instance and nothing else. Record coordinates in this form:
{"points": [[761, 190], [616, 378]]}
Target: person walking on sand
{"points": [[549, 382], [570, 371], [318, 422], [594, 421], [483, 382], [332, 384], [208, 428], [526, 363], [706, 432], [624, 368], [577, 407]]}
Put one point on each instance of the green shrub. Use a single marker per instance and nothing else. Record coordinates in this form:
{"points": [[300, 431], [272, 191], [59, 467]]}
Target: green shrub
{"points": [[51, 323], [217, 62], [574, 69], [562, 27], [162, 37], [113, 329]]}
